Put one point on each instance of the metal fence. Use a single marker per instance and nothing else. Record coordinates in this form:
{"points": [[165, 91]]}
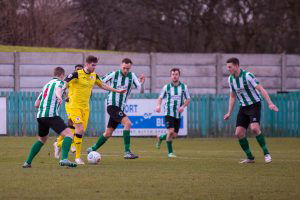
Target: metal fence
{"points": [[205, 115]]}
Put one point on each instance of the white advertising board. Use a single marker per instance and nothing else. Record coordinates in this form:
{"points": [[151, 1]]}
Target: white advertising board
{"points": [[3, 128], [145, 121]]}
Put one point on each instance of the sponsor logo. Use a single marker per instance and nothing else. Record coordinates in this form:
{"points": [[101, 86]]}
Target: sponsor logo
{"points": [[176, 97], [70, 76], [77, 118]]}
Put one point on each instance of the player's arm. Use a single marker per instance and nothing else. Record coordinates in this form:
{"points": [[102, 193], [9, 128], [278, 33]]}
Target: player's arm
{"points": [[71, 77], [162, 95], [107, 87], [266, 96], [139, 82], [187, 100], [232, 99], [255, 83], [59, 90], [38, 100]]}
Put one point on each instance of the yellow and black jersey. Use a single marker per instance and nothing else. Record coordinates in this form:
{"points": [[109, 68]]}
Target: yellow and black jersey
{"points": [[80, 85]]}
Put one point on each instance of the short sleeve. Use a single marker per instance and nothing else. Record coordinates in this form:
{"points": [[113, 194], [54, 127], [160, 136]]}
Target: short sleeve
{"points": [[136, 82], [229, 83], [186, 92], [108, 77], [163, 92], [98, 81], [61, 85], [72, 76], [251, 79]]}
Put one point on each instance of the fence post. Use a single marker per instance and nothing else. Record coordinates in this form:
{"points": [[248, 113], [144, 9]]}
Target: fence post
{"points": [[153, 79], [16, 71], [283, 72], [83, 58], [219, 73]]}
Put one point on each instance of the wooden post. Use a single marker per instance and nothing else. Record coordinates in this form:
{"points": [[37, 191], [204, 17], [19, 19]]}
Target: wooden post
{"points": [[283, 72], [153, 73], [219, 73], [17, 71]]}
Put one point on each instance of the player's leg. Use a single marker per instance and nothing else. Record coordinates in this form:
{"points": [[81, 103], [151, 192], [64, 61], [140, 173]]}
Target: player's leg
{"points": [[113, 122], [58, 125], [60, 138], [255, 129], [42, 138], [58, 142], [77, 117], [242, 124], [126, 137], [160, 138], [35, 149], [102, 139], [66, 145], [79, 131], [72, 128], [254, 114], [174, 131], [169, 142], [78, 137], [170, 124], [126, 133], [240, 132]]}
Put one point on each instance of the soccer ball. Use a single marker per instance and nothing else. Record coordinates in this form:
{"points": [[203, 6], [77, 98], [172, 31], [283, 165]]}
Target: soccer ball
{"points": [[94, 157]]}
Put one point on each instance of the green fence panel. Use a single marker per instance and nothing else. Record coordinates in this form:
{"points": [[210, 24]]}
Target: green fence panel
{"points": [[205, 115]]}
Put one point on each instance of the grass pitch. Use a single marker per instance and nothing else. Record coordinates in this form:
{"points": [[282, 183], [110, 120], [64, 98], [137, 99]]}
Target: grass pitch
{"points": [[204, 169]]}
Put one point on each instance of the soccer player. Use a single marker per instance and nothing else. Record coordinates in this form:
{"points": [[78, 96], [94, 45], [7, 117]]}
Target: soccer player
{"points": [[123, 79], [48, 103], [246, 88], [57, 145], [80, 86], [177, 98]]}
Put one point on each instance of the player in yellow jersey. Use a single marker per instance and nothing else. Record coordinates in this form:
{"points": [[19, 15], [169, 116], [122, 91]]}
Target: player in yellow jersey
{"points": [[58, 144], [80, 86]]}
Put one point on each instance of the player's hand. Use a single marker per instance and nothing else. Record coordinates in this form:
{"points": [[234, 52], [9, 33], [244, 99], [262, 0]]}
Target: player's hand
{"points": [[142, 79], [59, 100], [67, 99], [181, 109], [273, 107], [157, 109], [227, 116], [121, 91]]}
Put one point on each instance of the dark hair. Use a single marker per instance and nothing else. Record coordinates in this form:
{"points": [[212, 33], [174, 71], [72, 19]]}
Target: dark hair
{"points": [[81, 66], [58, 71], [175, 70], [234, 61], [126, 61], [91, 59]]}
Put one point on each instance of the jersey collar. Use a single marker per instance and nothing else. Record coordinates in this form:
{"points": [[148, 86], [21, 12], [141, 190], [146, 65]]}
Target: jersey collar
{"points": [[84, 71], [175, 85], [240, 75], [123, 74]]}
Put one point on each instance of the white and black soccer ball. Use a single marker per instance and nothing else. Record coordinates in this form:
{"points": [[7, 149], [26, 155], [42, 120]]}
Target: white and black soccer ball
{"points": [[94, 157]]}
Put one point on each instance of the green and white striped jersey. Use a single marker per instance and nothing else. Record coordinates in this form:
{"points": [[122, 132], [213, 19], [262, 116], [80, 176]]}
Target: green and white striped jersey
{"points": [[49, 105], [174, 96], [119, 81], [244, 88]]}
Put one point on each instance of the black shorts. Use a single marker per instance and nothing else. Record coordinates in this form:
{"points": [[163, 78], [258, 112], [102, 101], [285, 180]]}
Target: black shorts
{"points": [[45, 123], [116, 116], [172, 122], [248, 114]]}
